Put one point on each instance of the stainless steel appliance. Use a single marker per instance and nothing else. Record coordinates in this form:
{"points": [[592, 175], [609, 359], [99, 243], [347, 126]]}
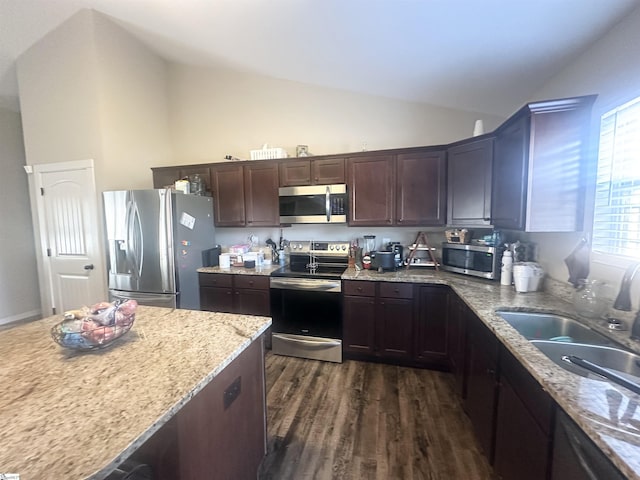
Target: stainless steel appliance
{"points": [[476, 260], [306, 301], [313, 204], [155, 242]]}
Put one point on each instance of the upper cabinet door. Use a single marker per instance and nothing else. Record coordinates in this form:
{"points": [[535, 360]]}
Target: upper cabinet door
{"points": [[421, 188], [261, 194], [320, 171], [370, 182], [227, 183], [295, 172], [540, 157], [510, 158], [469, 182], [327, 171]]}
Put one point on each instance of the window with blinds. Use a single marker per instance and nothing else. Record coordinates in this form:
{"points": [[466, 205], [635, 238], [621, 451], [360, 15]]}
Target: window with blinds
{"points": [[616, 219]]}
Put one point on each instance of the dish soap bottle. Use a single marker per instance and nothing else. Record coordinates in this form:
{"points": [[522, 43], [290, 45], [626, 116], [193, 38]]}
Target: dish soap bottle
{"points": [[507, 267]]}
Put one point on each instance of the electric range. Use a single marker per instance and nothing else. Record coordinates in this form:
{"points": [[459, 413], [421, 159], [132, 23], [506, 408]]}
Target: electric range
{"points": [[306, 301]]}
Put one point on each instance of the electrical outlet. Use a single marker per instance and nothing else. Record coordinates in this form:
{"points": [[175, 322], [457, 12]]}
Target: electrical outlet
{"points": [[232, 392], [385, 240]]}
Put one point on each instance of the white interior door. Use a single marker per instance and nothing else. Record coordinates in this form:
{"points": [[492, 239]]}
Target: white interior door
{"points": [[70, 235]]}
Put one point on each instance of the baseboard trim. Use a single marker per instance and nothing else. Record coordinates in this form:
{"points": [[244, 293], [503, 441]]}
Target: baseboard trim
{"points": [[30, 315]]}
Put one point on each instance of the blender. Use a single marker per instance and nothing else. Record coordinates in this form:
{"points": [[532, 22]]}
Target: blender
{"points": [[369, 247]]}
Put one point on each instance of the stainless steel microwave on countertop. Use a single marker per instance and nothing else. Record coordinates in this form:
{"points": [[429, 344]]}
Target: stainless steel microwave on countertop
{"points": [[476, 260], [313, 204]]}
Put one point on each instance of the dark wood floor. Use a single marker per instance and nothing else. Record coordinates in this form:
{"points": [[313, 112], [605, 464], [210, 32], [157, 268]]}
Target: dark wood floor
{"points": [[360, 420]]}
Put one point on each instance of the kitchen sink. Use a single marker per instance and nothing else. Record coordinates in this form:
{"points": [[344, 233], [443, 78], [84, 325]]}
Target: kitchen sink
{"points": [[619, 361], [557, 328]]}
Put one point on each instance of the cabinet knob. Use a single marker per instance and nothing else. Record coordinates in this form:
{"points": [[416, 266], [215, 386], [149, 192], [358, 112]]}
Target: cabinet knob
{"points": [[359, 289]]}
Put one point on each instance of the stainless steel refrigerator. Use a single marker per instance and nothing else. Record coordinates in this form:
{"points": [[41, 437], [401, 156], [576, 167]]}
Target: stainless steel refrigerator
{"points": [[155, 241]]}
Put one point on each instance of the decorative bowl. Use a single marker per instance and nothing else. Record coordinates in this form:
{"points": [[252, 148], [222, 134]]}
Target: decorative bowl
{"points": [[90, 328]]}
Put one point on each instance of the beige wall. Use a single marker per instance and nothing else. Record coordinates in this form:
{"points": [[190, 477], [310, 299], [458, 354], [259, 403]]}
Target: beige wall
{"points": [[610, 68], [216, 113], [19, 294], [58, 85], [132, 106], [91, 90]]}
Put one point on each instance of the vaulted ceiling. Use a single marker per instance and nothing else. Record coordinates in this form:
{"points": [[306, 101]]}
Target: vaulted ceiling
{"points": [[480, 56]]}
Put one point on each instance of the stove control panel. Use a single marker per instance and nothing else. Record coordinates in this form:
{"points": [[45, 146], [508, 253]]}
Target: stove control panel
{"points": [[319, 248]]}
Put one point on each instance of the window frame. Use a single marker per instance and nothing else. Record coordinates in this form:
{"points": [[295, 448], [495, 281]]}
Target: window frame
{"points": [[606, 258]]}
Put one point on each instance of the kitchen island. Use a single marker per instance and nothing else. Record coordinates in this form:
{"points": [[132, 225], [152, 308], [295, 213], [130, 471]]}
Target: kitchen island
{"points": [[151, 395]]}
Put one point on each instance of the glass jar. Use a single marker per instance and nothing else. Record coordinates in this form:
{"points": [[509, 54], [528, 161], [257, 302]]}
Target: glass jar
{"points": [[589, 299], [197, 184]]}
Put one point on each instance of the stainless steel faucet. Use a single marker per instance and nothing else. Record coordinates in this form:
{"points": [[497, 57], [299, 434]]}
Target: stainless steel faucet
{"points": [[623, 300]]}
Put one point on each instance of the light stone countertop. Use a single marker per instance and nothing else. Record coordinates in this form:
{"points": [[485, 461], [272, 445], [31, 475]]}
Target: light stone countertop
{"points": [[615, 429], [264, 270], [73, 415]]}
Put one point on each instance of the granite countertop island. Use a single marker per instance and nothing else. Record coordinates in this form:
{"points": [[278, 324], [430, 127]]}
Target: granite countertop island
{"points": [[615, 430], [72, 415]]}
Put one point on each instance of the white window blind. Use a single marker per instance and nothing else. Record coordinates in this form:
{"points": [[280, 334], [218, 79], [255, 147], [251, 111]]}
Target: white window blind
{"points": [[616, 222]]}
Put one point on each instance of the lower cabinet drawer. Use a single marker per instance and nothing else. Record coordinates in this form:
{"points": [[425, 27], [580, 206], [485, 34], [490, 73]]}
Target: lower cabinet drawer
{"points": [[215, 279], [259, 282], [359, 288], [396, 290]]}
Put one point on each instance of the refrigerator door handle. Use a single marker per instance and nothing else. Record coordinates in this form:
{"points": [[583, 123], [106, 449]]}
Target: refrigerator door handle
{"points": [[164, 245], [134, 239]]}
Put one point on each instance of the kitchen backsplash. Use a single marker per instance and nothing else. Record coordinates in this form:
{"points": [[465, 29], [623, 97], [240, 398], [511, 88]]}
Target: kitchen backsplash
{"points": [[406, 236]]}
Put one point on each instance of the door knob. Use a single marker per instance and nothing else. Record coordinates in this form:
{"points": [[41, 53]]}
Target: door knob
{"points": [[88, 267]]}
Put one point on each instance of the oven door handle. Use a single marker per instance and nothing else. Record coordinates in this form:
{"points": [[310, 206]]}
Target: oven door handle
{"points": [[293, 285], [315, 344]]}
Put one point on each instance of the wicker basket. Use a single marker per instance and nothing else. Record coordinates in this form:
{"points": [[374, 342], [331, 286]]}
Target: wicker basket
{"points": [[90, 329], [268, 153], [458, 235]]}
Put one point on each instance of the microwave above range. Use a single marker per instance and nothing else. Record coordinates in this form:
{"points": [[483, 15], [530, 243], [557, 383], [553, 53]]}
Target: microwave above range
{"points": [[313, 204], [476, 260]]}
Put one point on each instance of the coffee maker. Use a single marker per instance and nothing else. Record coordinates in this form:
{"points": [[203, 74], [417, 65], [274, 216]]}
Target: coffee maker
{"points": [[397, 249]]}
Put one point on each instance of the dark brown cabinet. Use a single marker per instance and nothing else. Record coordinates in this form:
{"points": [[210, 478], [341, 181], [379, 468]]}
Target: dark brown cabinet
{"points": [[540, 157], [246, 195], [482, 382], [320, 171], [575, 456], [242, 294], [405, 189], [432, 326], [469, 166], [395, 320], [166, 176], [196, 442], [227, 185], [523, 424], [421, 188], [378, 320], [261, 194], [509, 173], [457, 342], [371, 182]]}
